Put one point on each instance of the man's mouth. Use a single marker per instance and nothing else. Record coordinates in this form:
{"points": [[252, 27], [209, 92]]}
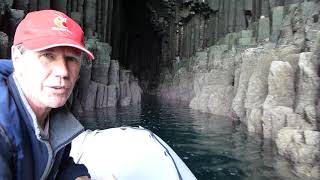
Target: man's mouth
{"points": [[59, 89]]}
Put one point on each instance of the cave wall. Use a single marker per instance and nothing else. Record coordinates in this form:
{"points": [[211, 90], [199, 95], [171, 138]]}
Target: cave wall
{"points": [[265, 76], [197, 24]]}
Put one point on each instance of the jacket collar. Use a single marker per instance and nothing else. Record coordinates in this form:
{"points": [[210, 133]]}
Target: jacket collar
{"points": [[64, 127]]}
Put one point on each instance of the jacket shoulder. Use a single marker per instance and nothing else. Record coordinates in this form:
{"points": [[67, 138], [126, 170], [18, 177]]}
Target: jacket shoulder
{"points": [[9, 116], [6, 67], [7, 155]]}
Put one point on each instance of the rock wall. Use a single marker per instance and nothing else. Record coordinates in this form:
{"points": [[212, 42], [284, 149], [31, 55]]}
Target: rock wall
{"points": [[189, 26], [265, 75], [103, 83]]}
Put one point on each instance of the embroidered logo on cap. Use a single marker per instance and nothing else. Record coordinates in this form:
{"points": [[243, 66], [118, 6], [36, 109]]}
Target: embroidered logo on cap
{"points": [[60, 24]]}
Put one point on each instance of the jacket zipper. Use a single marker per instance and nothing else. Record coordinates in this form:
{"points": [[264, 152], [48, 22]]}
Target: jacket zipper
{"points": [[52, 154], [49, 162]]}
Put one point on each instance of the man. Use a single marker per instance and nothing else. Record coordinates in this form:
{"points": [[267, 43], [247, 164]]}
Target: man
{"points": [[35, 127]]}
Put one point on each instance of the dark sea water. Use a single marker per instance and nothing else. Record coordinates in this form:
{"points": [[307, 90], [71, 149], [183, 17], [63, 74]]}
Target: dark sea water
{"points": [[212, 146]]}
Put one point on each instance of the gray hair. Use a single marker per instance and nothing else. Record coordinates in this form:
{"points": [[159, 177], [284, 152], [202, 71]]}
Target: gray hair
{"points": [[21, 48]]}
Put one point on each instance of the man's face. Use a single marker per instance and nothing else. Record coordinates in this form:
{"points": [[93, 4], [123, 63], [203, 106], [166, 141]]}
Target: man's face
{"points": [[47, 77]]}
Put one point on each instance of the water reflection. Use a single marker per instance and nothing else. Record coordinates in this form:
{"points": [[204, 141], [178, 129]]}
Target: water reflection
{"points": [[212, 146]]}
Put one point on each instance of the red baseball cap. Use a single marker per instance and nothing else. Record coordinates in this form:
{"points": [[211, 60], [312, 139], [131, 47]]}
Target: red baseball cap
{"points": [[41, 30]]}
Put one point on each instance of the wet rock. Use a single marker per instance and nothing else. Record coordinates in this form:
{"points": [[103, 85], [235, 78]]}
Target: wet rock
{"points": [[308, 83], [257, 90], [105, 97], [21, 4], [200, 61], [293, 28], [114, 72], [84, 80], [4, 8], [298, 121], [76, 106], [103, 52], [185, 91], [254, 121], [124, 75], [311, 16], [125, 101], [90, 18], [216, 58], [280, 85], [215, 54], [214, 99], [213, 89], [264, 29], [249, 60], [91, 97], [77, 16], [274, 119], [163, 88], [275, 85], [100, 72], [302, 148], [125, 93], [59, 5], [44, 4], [15, 17], [136, 92], [286, 34], [179, 87], [101, 95], [277, 18], [247, 38], [4, 45], [298, 28], [112, 96]]}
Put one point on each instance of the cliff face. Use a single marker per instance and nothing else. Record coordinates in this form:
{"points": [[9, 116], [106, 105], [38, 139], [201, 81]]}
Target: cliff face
{"points": [[264, 72], [193, 25]]}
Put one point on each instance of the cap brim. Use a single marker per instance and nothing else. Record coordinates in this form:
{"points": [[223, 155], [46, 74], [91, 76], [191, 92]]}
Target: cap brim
{"points": [[40, 44]]}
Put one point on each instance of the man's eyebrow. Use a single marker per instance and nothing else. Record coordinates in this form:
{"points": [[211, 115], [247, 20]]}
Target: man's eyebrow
{"points": [[48, 50], [66, 51], [73, 53]]}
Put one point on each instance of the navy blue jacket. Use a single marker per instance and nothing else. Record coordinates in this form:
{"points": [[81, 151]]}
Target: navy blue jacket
{"points": [[24, 153]]}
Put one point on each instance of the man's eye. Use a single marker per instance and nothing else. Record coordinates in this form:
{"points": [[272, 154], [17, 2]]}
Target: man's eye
{"points": [[48, 55], [72, 59]]}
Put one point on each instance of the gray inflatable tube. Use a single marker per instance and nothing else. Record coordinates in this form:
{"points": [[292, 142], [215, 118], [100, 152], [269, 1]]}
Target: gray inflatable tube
{"points": [[128, 153]]}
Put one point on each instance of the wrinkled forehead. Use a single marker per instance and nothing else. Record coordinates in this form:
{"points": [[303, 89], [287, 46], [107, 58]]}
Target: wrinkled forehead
{"points": [[65, 50]]}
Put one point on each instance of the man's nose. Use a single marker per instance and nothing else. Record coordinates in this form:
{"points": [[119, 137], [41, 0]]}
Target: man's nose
{"points": [[60, 67]]}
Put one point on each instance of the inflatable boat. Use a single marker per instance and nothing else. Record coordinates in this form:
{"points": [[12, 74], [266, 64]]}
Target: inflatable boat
{"points": [[128, 153]]}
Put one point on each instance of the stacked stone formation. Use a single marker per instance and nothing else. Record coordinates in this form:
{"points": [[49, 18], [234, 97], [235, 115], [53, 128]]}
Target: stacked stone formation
{"points": [[274, 85], [4, 43], [104, 84]]}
